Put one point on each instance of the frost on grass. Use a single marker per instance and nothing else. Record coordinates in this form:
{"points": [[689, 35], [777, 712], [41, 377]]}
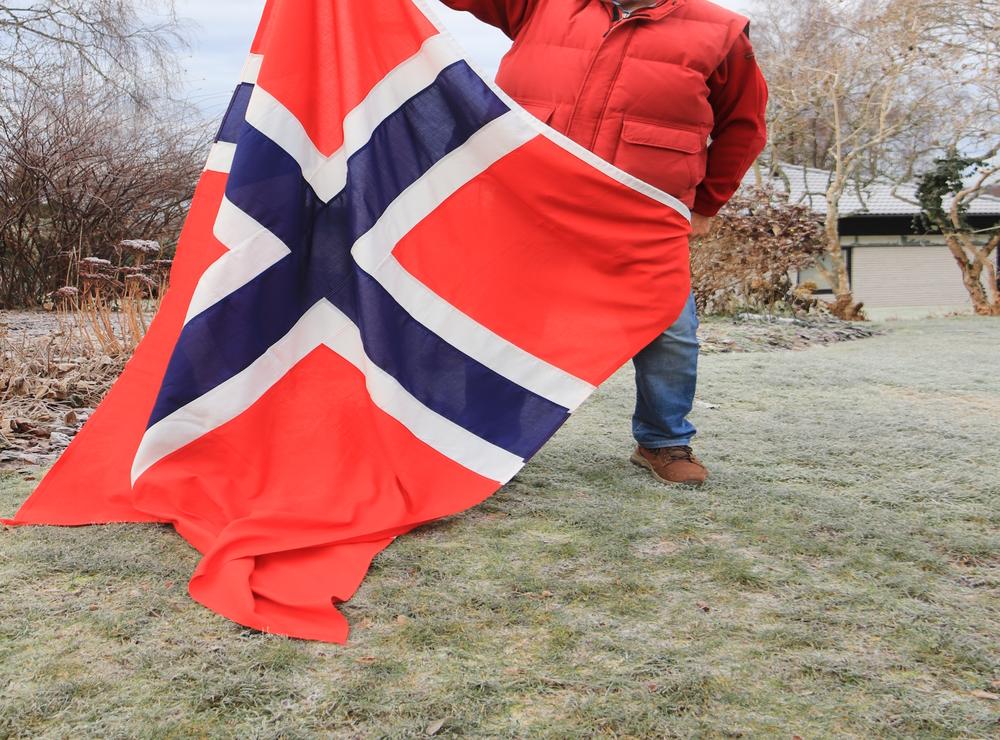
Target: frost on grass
{"points": [[837, 578], [55, 367]]}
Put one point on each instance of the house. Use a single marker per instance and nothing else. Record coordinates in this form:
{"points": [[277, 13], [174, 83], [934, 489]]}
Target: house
{"points": [[895, 268]]}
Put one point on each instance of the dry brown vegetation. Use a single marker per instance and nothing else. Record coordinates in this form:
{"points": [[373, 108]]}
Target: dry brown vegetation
{"points": [[55, 368], [49, 386], [750, 259], [81, 171]]}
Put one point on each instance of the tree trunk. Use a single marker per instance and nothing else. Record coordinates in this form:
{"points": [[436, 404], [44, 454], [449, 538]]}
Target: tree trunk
{"points": [[985, 299], [844, 306]]}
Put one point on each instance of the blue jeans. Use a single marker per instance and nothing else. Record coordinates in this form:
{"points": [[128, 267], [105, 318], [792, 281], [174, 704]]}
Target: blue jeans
{"points": [[666, 375]]}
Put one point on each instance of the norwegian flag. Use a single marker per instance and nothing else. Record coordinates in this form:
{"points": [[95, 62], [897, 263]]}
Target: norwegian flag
{"points": [[394, 286]]}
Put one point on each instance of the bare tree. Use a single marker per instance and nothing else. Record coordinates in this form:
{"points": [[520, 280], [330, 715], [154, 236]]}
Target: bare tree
{"points": [[965, 36], [855, 92], [121, 41], [946, 193]]}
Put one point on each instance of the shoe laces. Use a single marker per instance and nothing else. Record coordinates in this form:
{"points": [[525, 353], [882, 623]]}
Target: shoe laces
{"points": [[676, 453]]}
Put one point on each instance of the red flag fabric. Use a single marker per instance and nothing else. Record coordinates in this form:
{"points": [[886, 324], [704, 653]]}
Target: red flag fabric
{"points": [[393, 287]]}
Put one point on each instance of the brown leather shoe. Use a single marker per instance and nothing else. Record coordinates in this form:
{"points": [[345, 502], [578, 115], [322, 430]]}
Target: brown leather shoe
{"points": [[674, 465]]}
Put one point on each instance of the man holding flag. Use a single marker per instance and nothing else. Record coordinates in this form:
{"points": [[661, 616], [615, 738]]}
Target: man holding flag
{"points": [[351, 346], [644, 84]]}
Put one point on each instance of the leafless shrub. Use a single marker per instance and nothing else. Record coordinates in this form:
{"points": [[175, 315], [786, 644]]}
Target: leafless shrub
{"points": [[94, 150], [748, 261], [86, 173]]}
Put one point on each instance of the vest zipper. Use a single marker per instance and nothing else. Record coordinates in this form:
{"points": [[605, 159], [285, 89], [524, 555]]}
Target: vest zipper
{"points": [[611, 86], [617, 16]]}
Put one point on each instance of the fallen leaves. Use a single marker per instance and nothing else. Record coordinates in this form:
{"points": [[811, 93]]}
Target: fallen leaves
{"points": [[435, 727], [752, 333], [51, 378], [24, 427]]}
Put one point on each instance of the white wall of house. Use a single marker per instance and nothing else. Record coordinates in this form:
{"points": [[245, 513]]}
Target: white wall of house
{"points": [[903, 276], [906, 276]]}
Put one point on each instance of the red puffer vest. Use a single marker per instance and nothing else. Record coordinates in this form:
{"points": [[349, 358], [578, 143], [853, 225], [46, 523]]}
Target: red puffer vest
{"points": [[631, 88]]}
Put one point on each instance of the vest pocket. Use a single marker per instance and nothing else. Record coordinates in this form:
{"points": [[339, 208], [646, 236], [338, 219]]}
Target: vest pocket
{"points": [[670, 158]]}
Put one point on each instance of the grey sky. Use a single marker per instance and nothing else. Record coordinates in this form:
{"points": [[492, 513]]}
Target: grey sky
{"points": [[222, 31]]}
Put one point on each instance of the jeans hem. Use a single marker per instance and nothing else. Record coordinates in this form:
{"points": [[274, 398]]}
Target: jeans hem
{"points": [[659, 445]]}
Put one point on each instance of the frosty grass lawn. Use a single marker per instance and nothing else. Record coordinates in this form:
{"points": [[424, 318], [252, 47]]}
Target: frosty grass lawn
{"points": [[839, 577]]}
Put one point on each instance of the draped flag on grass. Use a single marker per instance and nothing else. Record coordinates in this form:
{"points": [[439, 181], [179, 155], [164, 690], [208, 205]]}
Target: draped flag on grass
{"points": [[393, 287]]}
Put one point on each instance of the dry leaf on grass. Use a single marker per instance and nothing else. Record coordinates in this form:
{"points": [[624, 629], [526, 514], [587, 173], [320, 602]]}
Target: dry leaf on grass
{"points": [[988, 695], [435, 727]]}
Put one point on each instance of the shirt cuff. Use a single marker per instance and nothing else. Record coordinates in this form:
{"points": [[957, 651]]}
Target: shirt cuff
{"points": [[706, 205]]}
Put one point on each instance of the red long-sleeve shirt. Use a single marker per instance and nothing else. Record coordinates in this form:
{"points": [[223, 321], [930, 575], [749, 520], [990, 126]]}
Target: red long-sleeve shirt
{"points": [[739, 100]]}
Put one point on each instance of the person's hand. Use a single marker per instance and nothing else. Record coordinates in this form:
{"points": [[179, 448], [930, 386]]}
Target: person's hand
{"points": [[701, 225]]}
